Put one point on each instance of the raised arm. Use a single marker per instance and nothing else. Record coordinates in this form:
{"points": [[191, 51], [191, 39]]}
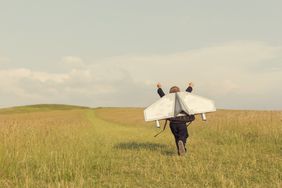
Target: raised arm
{"points": [[160, 91], [190, 87]]}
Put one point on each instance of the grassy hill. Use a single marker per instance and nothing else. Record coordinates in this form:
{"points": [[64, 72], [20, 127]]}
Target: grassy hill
{"points": [[69, 146], [39, 107]]}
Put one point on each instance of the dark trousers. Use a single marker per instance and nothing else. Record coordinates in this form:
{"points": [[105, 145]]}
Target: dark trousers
{"points": [[180, 132]]}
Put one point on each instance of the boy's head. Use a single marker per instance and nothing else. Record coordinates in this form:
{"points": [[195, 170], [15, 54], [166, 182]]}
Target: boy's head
{"points": [[174, 89]]}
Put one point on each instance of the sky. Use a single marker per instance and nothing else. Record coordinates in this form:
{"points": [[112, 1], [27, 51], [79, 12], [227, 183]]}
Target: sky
{"points": [[112, 53]]}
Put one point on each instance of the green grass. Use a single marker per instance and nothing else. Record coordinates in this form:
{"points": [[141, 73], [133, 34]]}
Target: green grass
{"points": [[114, 147], [39, 107]]}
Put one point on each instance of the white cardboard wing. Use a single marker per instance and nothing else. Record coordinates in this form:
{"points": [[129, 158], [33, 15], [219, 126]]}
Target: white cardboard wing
{"points": [[195, 104], [161, 109], [173, 104]]}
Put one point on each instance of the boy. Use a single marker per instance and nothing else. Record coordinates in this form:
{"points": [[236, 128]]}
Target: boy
{"points": [[178, 124]]}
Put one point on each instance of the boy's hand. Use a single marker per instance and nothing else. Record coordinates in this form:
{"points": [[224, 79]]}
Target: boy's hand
{"points": [[191, 84], [159, 85]]}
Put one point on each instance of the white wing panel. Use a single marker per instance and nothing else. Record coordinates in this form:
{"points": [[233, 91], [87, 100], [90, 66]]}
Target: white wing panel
{"points": [[182, 107], [196, 104], [178, 106], [162, 109]]}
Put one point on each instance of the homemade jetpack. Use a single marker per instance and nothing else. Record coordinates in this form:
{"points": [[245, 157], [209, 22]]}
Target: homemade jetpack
{"points": [[178, 106]]}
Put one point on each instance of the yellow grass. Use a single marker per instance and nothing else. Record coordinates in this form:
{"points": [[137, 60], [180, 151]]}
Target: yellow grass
{"points": [[59, 146]]}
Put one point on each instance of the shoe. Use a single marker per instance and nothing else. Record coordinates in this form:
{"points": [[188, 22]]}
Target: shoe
{"points": [[181, 148]]}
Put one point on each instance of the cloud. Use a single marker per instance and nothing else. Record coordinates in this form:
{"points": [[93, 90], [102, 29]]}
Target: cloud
{"points": [[220, 69], [72, 61], [240, 74], [4, 60]]}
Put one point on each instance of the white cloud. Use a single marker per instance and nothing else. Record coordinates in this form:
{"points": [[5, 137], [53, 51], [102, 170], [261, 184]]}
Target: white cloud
{"points": [[230, 73], [4, 59], [72, 61], [228, 67]]}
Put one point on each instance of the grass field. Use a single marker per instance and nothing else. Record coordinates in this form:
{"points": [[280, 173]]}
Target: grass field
{"points": [[68, 146]]}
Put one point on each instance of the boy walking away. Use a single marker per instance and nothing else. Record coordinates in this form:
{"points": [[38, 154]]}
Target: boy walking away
{"points": [[178, 125]]}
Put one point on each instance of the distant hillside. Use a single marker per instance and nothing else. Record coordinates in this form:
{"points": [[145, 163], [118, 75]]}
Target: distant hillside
{"points": [[40, 107]]}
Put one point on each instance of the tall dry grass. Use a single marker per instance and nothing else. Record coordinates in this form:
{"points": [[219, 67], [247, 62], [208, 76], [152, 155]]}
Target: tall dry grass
{"points": [[114, 147]]}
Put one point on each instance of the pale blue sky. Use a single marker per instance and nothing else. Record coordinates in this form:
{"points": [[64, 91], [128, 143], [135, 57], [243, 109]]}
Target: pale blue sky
{"points": [[92, 52]]}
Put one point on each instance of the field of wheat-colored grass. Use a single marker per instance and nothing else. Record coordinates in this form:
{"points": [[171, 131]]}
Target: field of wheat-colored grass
{"points": [[68, 146]]}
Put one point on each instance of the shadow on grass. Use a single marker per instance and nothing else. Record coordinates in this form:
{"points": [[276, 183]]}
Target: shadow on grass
{"points": [[161, 148]]}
